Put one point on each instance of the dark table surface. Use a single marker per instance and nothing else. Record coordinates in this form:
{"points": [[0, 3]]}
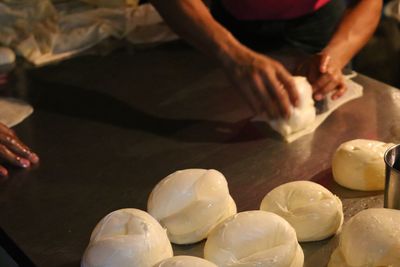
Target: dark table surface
{"points": [[108, 128]]}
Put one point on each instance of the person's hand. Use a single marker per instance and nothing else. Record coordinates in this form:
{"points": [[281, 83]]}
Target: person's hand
{"points": [[324, 74], [264, 83], [13, 151]]}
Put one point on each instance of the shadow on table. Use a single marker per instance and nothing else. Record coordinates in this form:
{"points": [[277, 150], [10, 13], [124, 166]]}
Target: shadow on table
{"points": [[325, 178], [100, 107]]}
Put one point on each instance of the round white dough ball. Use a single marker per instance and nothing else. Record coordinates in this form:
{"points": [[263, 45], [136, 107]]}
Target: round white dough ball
{"points": [[190, 203], [359, 164], [254, 238], [370, 238], [301, 116], [127, 238], [313, 211], [7, 56], [185, 261]]}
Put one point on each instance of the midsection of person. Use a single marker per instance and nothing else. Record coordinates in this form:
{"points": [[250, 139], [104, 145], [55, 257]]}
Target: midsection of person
{"points": [[272, 9]]}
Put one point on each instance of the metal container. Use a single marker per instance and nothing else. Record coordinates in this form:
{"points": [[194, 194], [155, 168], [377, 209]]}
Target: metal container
{"points": [[392, 184]]}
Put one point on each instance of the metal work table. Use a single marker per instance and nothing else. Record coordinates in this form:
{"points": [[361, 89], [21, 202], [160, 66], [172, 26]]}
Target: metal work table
{"points": [[108, 128]]}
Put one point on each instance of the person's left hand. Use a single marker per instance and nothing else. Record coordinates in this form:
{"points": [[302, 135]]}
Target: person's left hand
{"points": [[324, 74], [13, 151]]}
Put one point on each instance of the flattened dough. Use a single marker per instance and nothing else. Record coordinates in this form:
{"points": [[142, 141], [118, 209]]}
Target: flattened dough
{"points": [[13, 111]]}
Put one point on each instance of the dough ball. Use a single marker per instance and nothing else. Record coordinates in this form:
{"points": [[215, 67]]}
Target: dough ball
{"points": [[301, 116], [358, 164], [254, 238], [7, 56], [190, 203], [185, 261], [370, 238], [313, 211], [127, 238]]}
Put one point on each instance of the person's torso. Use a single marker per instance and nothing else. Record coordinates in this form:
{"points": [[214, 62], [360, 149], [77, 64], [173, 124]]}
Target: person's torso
{"points": [[272, 9]]}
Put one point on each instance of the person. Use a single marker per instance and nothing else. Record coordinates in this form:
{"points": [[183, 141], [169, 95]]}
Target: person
{"points": [[14, 151], [329, 31]]}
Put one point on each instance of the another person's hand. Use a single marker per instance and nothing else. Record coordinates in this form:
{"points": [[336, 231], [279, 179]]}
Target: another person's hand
{"points": [[13, 151], [324, 74], [264, 82]]}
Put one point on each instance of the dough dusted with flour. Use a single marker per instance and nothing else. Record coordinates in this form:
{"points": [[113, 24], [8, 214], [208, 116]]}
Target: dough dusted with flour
{"points": [[127, 238], [302, 116], [254, 238], [369, 239], [185, 261], [190, 203], [313, 211], [358, 164]]}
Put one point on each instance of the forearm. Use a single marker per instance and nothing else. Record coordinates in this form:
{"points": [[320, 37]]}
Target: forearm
{"points": [[192, 20], [264, 83], [354, 31]]}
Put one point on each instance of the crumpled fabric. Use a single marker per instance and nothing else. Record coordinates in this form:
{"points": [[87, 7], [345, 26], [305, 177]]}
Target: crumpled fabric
{"points": [[112, 3], [28, 26], [43, 31]]}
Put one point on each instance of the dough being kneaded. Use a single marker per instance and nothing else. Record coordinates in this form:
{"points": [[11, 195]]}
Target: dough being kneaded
{"points": [[254, 238], [190, 203], [127, 238], [301, 116], [369, 239], [313, 211], [358, 164], [185, 261]]}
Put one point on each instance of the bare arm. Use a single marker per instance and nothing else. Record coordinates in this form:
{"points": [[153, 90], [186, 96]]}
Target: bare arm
{"points": [[354, 31], [193, 22], [324, 70], [265, 83]]}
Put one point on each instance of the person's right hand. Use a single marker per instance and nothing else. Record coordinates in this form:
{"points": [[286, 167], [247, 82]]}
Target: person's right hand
{"points": [[324, 74], [265, 83], [13, 151]]}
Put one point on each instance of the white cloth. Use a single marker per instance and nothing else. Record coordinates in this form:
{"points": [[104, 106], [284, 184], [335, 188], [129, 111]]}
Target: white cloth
{"points": [[13, 111], [43, 31]]}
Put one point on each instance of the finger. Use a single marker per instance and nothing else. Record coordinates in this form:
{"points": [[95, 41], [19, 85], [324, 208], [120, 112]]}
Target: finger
{"points": [[281, 95], [17, 147], [9, 157], [3, 172], [321, 82], [266, 99], [324, 91], [325, 60], [5, 129], [287, 80], [340, 91], [332, 81]]}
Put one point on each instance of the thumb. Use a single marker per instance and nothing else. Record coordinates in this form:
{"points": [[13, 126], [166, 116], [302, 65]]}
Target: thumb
{"points": [[325, 60]]}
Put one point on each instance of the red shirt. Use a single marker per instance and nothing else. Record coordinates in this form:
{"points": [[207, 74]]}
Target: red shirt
{"points": [[272, 9]]}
